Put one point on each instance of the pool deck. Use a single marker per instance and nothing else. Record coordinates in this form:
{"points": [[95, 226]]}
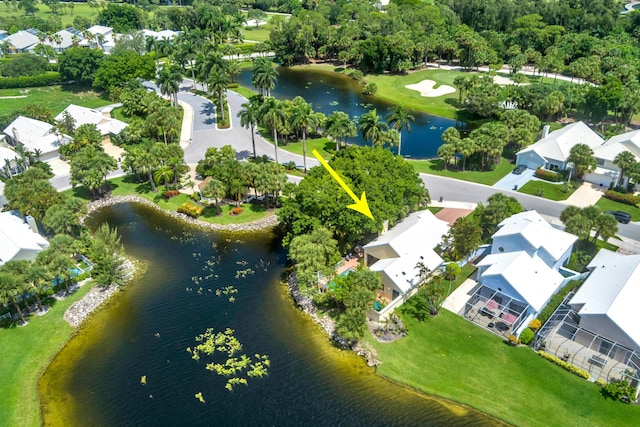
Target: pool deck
{"points": [[352, 263]]}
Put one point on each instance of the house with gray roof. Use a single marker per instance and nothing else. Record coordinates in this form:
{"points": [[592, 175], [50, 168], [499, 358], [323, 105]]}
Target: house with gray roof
{"points": [[22, 41]]}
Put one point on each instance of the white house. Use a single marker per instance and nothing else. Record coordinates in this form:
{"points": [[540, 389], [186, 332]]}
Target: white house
{"points": [[83, 115], [160, 35], [396, 253], [67, 38], [3, 199], [103, 37], [521, 274], [607, 172], [8, 162], [552, 151], [23, 41], [36, 135], [19, 240]]}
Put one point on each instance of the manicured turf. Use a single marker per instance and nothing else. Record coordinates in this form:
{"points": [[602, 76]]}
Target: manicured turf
{"points": [[79, 9], [465, 273], [435, 167], [549, 190], [259, 34], [250, 212], [56, 98], [325, 147], [246, 92], [450, 357], [610, 205], [26, 352]]}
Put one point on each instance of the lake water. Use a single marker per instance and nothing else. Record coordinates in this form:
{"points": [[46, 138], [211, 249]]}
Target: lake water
{"points": [[329, 91], [144, 331]]}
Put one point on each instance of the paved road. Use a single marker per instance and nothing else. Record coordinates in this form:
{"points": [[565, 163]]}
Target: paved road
{"points": [[461, 191]]}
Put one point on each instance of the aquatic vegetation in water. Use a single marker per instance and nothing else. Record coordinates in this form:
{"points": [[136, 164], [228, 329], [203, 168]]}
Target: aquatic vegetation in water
{"points": [[334, 103], [200, 397], [143, 380], [227, 291], [236, 366], [244, 273]]}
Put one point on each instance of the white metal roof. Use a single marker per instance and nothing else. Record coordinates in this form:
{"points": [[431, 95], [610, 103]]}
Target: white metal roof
{"points": [[22, 40], [16, 235], [83, 115], [7, 154], [529, 276], [100, 29], [66, 40], [558, 144], [613, 289], [629, 141], [409, 242], [537, 232], [34, 134]]}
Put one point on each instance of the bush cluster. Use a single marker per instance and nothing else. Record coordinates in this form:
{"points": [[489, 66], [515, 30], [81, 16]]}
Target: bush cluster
{"points": [[627, 199], [190, 210], [535, 324], [548, 175], [620, 390], [236, 211], [170, 193], [47, 79], [568, 366], [356, 74], [526, 336]]}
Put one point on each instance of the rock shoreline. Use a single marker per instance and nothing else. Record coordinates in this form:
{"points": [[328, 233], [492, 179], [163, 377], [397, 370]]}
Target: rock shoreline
{"points": [[268, 222], [327, 324], [80, 310]]}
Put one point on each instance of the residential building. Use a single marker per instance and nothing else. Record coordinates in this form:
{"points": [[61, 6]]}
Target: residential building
{"points": [[160, 35], [607, 171], [36, 135], [66, 41], [19, 240], [22, 41], [8, 162], [521, 273], [598, 328], [83, 115], [395, 255], [552, 151]]}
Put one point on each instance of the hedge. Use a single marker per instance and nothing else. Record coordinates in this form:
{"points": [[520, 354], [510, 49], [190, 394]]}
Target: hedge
{"points": [[627, 199], [568, 366], [526, 336], [190, 210], [548, 175], [47, 79]]}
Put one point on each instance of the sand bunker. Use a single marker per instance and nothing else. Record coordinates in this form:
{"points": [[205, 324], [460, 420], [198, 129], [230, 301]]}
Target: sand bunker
{"points": [[502, 81], [425, 88]]}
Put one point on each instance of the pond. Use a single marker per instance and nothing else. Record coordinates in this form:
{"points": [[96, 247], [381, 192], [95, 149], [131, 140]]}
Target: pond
{"points": [[329, 91], [145, 331]]}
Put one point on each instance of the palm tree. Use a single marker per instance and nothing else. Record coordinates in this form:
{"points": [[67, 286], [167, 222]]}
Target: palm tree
{"points": [[10, 288], [373, 129], [338, 126], [36, 277], [302, 118], [169, 79], [273, 116], [166, 174], [264, 76], [216, 190], [400, 119], [445, 152], [624, 160], [145, 162], [218, 84], [249, 116], [150, 45]]}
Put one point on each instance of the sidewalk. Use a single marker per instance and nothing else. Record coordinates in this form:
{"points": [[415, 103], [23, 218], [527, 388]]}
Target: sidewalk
{"points": [[187, 124]]}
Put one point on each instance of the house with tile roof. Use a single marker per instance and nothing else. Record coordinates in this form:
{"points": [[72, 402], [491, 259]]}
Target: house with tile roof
{"points": [[552, 151]]}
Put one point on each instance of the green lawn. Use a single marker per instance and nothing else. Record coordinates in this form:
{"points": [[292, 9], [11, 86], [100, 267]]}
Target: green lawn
{"points": [[56, 98], [550, 190], [126, 185], [325, 147], [610, 205], [450, 357], [26, 352], [116, 113], [259, 34], [465, 273], [435, 167], [79, 9]]}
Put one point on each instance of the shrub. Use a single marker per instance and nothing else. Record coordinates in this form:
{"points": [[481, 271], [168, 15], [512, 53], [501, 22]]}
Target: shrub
{"points": [[370, 89], [356, 74], [627, 199], [556, 300], [535, 324], [513, 340], [451, 271], [47, 79], [568, 366], [620, 390], [170, 193], [236, 211], [548, 175], [601, 382], [526, 336], [82, 276], [190, 210]]}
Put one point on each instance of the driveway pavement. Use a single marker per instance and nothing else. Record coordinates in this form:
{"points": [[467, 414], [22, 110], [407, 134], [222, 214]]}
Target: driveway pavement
{"points": [[511, 180], [586, 195]]}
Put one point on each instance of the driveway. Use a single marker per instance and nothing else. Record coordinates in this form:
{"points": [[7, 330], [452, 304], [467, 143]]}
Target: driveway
{"points": [[511, 180]]}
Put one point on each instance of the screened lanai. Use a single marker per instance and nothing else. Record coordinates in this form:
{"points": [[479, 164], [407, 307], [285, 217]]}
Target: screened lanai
{"points": [[604, 359], [495, 311]]}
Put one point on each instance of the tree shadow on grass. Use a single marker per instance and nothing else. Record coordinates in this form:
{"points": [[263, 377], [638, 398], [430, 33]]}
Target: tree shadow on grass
{"points": [[77, 89], [416, 307]]}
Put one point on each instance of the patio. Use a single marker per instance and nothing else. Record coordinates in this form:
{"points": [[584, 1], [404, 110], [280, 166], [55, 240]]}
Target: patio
{"points": [[495, 311], [604, 359]]}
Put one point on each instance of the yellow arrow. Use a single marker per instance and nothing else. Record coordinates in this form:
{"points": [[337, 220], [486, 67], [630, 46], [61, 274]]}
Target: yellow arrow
{"points": [[360, 204]]}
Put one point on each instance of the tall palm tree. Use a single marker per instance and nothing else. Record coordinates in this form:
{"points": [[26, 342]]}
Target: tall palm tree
{"points": [[624, 160], [273, 116], [10, 288], [216, 190], [339, 126], [36, 278], [218, 84], [166, 174], [373, 128], [400, 119], [264, 76], [169, 79], [302, 118], [249, 116]]}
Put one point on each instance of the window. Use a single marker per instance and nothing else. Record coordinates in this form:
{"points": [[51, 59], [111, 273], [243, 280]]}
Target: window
{"points": [[600, 161], [605, 346], [500, 249], [395, 294]]}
